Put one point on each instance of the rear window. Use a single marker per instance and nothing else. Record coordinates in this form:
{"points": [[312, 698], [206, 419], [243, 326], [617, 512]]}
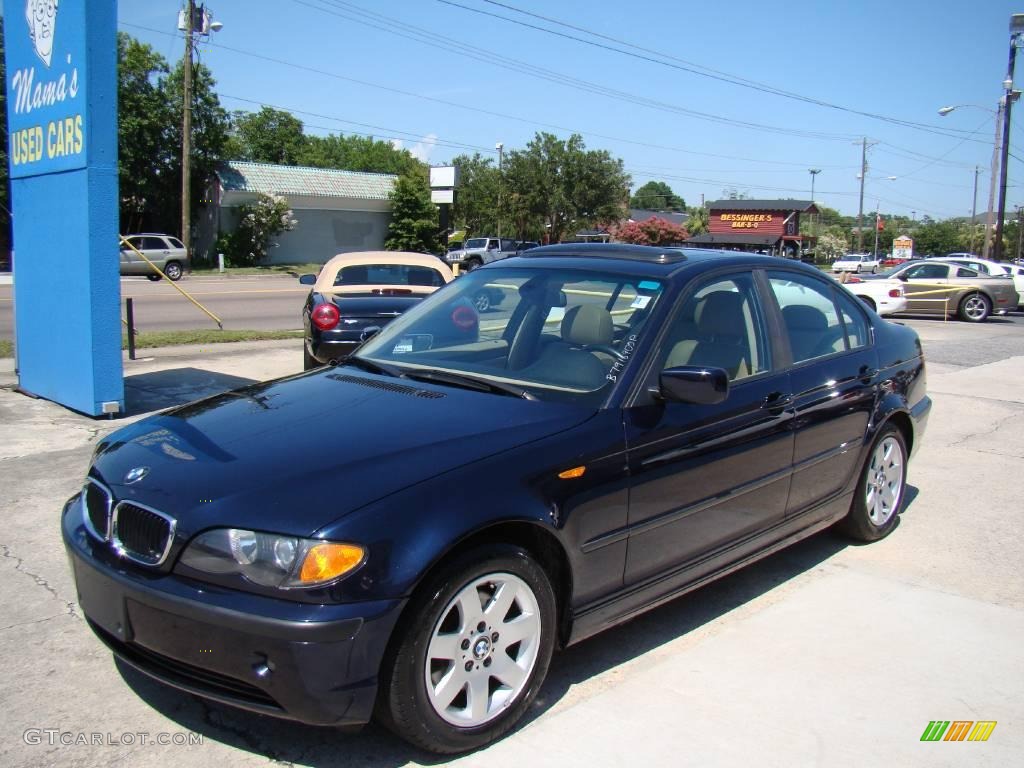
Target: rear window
{"points": [[388, 274]]}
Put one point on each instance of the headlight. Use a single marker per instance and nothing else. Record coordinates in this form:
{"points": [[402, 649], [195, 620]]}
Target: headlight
{"points": [[271, 560]]}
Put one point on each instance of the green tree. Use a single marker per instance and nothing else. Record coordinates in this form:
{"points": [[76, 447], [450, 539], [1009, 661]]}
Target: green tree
{"points": [[563, 185], [414, 220], [830, 247], [937, 238], [258, 222], [476, 200], [697, 223], [657, 196], [145, 151], [267, 136], [210, 125], [356, 153]]}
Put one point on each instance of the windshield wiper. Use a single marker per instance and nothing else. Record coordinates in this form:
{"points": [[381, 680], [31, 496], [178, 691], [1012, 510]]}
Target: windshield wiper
{"points": [[468, 382], [369, 365]]}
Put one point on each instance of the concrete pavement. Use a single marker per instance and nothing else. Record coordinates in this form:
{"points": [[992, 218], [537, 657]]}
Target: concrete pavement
{"points": [[824, 654]]}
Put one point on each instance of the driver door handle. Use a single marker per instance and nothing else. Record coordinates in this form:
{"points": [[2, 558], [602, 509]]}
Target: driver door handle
{"points": [[777, 402]]}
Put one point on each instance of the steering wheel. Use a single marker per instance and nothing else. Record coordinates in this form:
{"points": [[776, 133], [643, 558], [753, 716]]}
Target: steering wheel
{"points": [[606, 350]]}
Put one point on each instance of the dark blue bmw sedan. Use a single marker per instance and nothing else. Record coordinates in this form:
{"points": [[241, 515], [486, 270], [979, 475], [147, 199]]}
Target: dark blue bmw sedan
{"points": [[411, 533]]}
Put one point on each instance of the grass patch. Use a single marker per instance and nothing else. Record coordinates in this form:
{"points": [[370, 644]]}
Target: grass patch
{"points": [[293, 270], [173, 338]]}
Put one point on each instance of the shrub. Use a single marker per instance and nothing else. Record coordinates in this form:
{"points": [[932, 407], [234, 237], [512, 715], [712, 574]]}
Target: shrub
{"points": [[258, 223]]}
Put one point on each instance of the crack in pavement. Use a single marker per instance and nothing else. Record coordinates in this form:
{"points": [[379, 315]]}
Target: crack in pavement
{"points": [[19, 565], [35, 621]]}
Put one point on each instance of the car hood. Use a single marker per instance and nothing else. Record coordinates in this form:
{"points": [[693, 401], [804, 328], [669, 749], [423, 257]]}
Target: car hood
{"points": [[294, 454]]}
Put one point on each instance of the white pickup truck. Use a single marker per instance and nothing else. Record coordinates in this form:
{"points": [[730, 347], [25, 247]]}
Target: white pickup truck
{"points": [[478, 251]]}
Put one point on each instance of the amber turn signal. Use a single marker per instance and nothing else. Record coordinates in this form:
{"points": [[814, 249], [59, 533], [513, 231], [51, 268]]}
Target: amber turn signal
{"points": [[324, 562], [569, 474]]}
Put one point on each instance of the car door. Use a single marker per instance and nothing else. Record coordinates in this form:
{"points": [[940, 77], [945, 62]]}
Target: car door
{"points": [[704, 477], [834, 365], [924, 287]]}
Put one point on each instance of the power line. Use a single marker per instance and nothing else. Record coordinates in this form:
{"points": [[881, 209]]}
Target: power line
{"points": [[479, 110], [666, 60], [457, 47]]}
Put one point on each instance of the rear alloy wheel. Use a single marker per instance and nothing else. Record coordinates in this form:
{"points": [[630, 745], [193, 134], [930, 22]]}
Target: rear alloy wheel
{"points": [[876, 502], [475, 652], [975, 308], [482, 301], [173, 270]]}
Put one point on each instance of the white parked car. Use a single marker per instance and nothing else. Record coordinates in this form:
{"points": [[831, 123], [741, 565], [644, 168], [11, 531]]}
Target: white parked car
{"points": [[1017, 273], [856, 262], [884, 296]]}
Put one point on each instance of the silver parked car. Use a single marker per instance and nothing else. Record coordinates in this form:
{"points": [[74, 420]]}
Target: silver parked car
{"points": [[166, 252], [938, 287]]}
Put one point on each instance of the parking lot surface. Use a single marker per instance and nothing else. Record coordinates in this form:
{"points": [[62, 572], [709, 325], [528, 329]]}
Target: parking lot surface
{"points": [[824, 654]]}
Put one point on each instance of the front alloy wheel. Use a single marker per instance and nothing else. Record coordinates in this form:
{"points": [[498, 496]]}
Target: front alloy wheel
{"points": [[471, 653], [482, 650]]}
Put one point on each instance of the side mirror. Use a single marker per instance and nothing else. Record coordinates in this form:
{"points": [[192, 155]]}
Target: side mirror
{"points": [[307, 279], [691, 384]]}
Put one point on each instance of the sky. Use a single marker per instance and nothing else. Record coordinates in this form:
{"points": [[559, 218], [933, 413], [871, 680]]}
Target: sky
{"points": [[683, 92]]}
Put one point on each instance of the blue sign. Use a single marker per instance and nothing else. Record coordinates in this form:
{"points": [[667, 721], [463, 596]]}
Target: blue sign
{"points": [[46, 89], [62, 152]]}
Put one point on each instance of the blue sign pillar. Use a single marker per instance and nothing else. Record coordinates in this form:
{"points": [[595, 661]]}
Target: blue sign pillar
{"points": [[62, 124]]}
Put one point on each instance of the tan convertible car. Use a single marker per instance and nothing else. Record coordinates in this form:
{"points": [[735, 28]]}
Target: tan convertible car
{"points": [[940, 288]]}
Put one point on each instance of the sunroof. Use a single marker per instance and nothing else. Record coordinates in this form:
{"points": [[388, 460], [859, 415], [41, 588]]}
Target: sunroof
{"points": [[646, 253]]}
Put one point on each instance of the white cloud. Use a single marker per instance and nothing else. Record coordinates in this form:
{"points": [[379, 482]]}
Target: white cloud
{"points": [[422, 149]]}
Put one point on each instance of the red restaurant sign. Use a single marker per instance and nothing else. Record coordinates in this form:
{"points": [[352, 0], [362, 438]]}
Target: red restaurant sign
{"points": [[750, 222]]}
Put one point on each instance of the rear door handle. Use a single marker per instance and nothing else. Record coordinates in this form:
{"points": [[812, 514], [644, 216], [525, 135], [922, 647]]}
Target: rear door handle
{"points": [[777, 402]]}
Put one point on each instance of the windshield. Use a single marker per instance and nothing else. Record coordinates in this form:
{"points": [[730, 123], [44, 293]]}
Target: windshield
{"points": [[562, 335], [476, 242]]}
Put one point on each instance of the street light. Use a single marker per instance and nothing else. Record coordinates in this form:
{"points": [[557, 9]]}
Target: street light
{"points": [[998, 114], [500, 147], [196, 20]]}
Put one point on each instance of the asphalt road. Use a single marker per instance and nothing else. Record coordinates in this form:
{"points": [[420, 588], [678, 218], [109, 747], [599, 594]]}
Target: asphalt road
{"points": [[258, 303]]}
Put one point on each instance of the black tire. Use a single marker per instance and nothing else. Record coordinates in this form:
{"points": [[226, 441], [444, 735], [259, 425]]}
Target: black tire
{"points": [[473, 263], [975, 308], [154, 277], [308, 361], [404, 704], [173, 271], [867, 524]]}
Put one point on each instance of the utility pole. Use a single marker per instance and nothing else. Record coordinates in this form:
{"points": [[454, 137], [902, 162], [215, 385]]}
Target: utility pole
{"points": [[1009, 97], [186, 134], [974, 206], [986, 251], [860, 209], [814, 172]]}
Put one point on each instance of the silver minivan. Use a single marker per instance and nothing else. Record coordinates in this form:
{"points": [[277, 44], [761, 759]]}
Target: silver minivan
{"points": [[166, 252]]}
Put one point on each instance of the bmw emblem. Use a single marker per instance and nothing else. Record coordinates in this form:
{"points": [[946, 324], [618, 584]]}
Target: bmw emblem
{"points": [[136, 474]]}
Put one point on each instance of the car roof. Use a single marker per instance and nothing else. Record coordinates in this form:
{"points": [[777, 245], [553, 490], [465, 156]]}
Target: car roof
{"points": [[642, 259]]}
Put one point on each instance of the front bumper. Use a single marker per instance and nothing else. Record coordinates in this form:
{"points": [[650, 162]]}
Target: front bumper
{"points": [[315, 664]]}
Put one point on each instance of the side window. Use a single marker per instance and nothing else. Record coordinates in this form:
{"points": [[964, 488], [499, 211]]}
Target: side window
{"points": [[720, 326], [152, 244], [176, 243], [508, 245], [964, 272], [928, 272], [854, 322], [809, 315]]}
